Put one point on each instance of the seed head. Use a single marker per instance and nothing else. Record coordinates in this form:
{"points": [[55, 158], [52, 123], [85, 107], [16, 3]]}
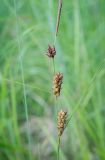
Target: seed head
{"points": [[62, 117], [57, 82], [51, 52]]}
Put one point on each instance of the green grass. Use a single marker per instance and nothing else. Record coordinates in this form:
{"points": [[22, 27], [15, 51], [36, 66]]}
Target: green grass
{"points": [[80, 57]]}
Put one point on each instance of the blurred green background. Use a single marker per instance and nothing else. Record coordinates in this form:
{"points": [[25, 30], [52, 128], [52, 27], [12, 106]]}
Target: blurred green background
{"points": [[28, 109]]}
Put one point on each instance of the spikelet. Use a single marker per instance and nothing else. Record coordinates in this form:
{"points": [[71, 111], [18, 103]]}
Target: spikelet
{"points": [[51, 52], [62, 117], [57, 82]]}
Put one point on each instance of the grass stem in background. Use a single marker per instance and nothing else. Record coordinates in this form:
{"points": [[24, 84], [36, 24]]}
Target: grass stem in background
{"points": [[23, 80]]}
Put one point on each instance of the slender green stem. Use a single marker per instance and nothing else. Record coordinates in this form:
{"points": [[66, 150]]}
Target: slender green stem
{"points": [[54, 65], [59, 141]]}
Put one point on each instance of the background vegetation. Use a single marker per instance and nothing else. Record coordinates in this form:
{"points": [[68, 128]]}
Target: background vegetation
{"points": [[26, 29]]}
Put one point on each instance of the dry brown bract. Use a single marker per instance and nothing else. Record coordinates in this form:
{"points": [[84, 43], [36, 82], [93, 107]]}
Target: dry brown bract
{"points": [[62, 116], [51, 52], [57, 82]]}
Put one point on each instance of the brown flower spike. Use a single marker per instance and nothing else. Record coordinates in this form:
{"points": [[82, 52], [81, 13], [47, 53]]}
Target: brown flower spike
{"points": [[51, 52], [62, 117], [57, 82]]}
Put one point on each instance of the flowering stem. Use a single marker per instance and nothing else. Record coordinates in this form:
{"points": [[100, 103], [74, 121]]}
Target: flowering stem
{"points": [[58, 19], [59, 15]]}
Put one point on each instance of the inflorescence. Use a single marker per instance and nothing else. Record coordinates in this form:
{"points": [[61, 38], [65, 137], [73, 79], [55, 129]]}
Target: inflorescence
{"points": [[51, 52], [62, 118], [57, 82]]}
